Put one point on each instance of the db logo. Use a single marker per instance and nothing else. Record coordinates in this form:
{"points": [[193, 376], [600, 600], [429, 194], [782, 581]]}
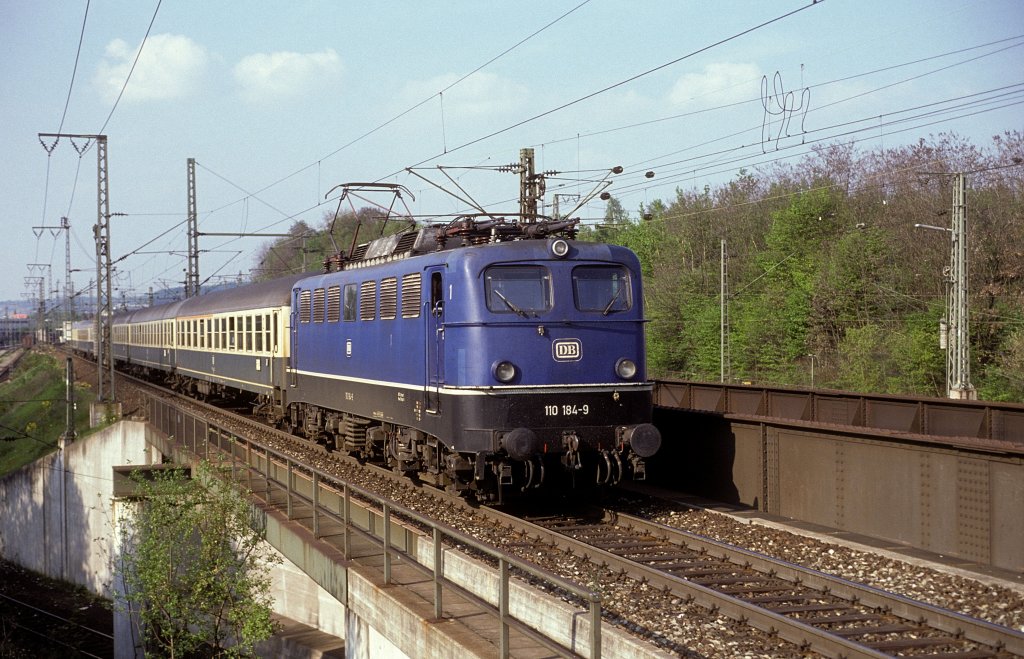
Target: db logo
{"points": [[567, 350]]}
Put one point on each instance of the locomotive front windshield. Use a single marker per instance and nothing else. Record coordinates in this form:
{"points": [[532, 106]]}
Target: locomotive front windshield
{"points": [[603, 288], [519, 289]]}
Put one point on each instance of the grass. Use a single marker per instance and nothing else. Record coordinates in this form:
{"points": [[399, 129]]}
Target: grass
{"points": [[32, 411]]}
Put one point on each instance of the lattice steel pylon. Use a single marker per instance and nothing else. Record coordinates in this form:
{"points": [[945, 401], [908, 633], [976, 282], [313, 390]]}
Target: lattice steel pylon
{"points": [[723, 348], [192, 274], [958, 348], [101, 233]]}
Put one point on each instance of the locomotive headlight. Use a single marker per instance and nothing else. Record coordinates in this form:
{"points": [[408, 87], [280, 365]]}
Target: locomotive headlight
{"points": [[503, 371], [625, 369], [559, 248]]}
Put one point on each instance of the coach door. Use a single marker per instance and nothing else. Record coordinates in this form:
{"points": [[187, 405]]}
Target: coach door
{"points": [[435, 340], [293, 352]]}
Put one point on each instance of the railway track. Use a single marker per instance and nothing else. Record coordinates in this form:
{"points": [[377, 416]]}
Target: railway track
{"points": [[45, 629], [815, 612]]}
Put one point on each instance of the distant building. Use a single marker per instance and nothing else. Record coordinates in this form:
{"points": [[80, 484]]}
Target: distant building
{"points": [[13, 328]]}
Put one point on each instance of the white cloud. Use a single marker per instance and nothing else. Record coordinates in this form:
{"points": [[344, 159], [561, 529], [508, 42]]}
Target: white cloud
{"points": [[482, 95], [267, 76], [723, 82], [170, 67]]}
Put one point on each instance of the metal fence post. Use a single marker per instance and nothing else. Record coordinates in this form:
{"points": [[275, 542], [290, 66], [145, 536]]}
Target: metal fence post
{"points": [[288, 488], [348, 521], [316, 505], [438, 572], [595, 625], [503, 607], [387, 544], [266, 470]]}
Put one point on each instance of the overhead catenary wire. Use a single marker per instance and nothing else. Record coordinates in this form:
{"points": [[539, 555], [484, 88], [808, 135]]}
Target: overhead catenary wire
{"points": [[67, 103], [298, 214], [533, 118], [421, 103], [615, 85], [135, 62]]}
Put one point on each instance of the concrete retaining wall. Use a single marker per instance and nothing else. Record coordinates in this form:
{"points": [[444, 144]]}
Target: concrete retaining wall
{"points": [[60, 519]]}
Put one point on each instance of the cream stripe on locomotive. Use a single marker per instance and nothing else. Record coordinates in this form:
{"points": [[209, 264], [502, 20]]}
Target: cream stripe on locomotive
{"points": [[594, 387]]}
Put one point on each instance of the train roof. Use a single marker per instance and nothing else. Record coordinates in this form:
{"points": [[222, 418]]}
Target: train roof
{"points": [[475, 230], [262, 295]]}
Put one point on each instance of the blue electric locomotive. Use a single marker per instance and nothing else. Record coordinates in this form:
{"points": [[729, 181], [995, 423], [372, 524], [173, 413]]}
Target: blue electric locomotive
{"points": [[483, 357], [478, 367]]}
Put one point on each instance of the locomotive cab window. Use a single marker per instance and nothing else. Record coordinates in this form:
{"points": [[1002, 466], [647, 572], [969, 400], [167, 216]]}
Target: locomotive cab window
{"points": [[519, 289], [603, 288]]}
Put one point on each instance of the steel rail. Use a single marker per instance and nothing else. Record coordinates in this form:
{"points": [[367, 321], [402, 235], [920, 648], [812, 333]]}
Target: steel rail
{"points": [[980, 631], [802, 635], [806, 636], [62, 620]]}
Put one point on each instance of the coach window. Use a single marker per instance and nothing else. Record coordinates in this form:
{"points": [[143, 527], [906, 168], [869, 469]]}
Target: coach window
{"points": [[248, 333], [266, 332], [351, 299], [603, 288], [519, 289], [259, 333]]}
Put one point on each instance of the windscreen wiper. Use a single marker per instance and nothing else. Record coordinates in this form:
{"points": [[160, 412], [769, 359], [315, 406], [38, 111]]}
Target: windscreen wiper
{"points": [[611, 302], [509, 304]]}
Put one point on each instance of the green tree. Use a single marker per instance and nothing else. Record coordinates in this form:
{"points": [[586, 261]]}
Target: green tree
{"points": [[195, 566]]}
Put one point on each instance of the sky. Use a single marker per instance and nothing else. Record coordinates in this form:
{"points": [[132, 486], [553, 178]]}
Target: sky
{"points": [[280, 102]]}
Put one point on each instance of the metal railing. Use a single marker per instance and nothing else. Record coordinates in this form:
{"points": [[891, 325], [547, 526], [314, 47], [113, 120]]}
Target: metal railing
{"points": [[364, 514]]}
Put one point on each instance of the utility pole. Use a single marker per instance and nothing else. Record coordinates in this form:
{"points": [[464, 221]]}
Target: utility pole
{"points": [[192, 274], [101, 233], [723, 348], [44, 293], [69, 289], [69, 415], [36, 282], [958, 352], [531, 186], [955, 334]]}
